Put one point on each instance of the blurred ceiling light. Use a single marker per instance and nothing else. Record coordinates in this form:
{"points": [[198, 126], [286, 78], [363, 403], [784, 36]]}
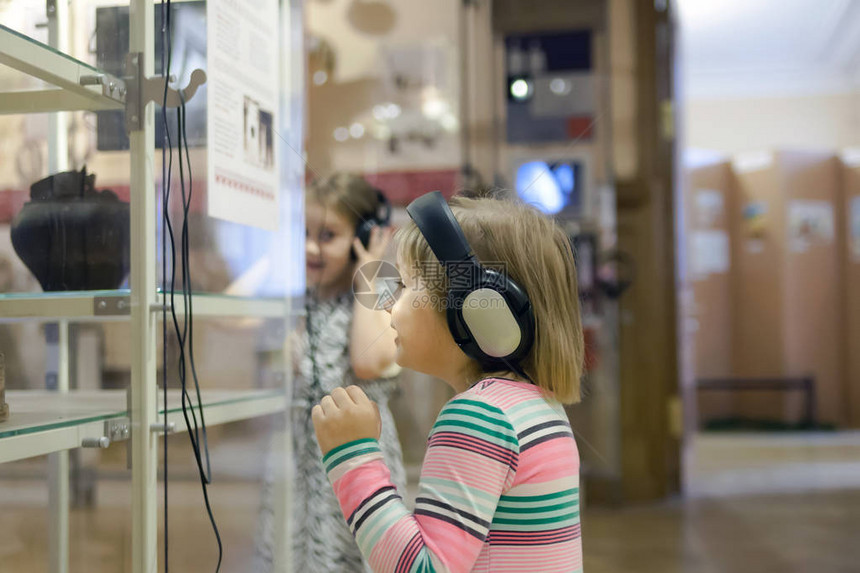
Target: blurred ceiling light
{"points": [[560, 86], [320, 77], [386, 111], [392, 111], [434, 107], [341, 134], [449, 122], [520, 89], [356, 130], [372, 17]]}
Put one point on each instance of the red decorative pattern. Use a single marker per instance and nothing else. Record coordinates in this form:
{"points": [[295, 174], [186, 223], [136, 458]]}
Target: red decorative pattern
{"points": [[243, 186], [401, 187], [11, 201]]}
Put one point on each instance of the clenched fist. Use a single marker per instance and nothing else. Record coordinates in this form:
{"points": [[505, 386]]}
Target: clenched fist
{"points": [[345, 415]]}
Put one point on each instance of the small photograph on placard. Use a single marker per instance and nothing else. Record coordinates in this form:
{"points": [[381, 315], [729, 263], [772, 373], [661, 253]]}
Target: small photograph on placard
{"points": [[810, 223], [710, 253], [709, 206], [258, 135]]}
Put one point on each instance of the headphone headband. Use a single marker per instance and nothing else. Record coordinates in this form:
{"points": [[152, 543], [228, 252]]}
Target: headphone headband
{"points": [[436, 222], [490, 317]]}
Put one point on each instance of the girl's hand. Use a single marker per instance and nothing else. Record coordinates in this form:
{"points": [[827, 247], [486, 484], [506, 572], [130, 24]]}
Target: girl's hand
{"points": [[379, 239], [343, 416]]}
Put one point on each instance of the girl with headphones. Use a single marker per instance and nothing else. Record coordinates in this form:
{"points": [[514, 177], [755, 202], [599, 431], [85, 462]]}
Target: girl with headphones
{"points": [[344, 342], [499, 486]]}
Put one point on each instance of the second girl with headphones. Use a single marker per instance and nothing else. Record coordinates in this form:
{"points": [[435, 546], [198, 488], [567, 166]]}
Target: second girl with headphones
{"points": [[347, 226]]}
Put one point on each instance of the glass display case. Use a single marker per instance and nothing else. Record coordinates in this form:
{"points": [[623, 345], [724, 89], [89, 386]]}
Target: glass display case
{"points": [[96, 465]]}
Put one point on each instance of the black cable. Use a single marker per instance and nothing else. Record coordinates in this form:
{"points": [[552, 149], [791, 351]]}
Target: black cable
{"points": [[205, 476], [190, 299], [166, 174], [184, 334]]}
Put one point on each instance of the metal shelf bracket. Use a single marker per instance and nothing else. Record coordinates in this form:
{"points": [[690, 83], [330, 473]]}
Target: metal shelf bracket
{"points": [[143, 90]]}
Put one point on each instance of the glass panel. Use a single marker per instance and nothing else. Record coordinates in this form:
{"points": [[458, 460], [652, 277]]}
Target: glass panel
{"points": [[40, 411], [64, 294], [99, 514], [99, 482], [44, 44], [72, 230], [245, 258], [246, 458], [385, 104], [241, 456]]}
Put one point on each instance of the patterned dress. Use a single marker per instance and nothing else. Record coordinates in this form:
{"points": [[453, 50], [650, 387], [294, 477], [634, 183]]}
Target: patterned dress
{"points": [[323, 542]]}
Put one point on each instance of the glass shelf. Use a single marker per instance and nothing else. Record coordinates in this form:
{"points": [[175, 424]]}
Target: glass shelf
{"points": [[41, 422], [64, 73], [105, 305]]}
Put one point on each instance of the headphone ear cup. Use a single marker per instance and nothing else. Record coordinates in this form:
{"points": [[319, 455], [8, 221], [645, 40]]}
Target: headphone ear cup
{"points": [[492, 323], [363, 231]]}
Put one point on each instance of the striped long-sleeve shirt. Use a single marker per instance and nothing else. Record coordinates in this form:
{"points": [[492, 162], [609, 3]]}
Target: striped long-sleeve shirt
{"points": [[499, 489]]}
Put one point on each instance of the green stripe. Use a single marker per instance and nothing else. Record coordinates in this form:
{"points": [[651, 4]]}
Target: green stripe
{"points": [[477, 428], [483, 506], [423, 564], [534, 498], [378, 524], [342, 447], [482, 405], [446, 485], [542, 509], [542, 521], [531, 403], [475, 404], [349, 456], [471, 414]]}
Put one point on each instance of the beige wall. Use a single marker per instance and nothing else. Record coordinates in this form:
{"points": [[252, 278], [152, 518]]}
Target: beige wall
{"points": [[826, 122]]}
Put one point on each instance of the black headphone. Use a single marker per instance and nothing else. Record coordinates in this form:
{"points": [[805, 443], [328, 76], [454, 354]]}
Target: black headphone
{"points": [[380, 217], [489, 315]]}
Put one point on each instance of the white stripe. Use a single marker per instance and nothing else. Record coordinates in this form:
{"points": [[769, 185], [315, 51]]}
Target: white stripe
{"points": [[341, 469], [371, 501], [468, 522], [544, 432]]}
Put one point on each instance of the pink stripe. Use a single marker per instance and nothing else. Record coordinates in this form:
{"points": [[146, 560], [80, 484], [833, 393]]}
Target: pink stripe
{"points": [[386, 553], [474, 444], [548, 461], [408, 555], [533, 536], [479, 443], [460, 548], [487, 476], [542, 559], [357, 484]]}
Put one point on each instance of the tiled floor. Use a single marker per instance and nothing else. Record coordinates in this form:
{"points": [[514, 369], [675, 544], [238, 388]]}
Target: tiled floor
{"points": [[760, 505]]}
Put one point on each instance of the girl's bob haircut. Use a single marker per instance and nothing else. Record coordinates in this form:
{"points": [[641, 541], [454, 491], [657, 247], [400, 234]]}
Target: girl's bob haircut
{"points": [[532, 249]]}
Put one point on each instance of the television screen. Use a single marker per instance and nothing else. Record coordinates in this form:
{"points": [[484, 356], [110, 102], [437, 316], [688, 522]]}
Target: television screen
{"points": [[188, 52], [551, 186]]}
